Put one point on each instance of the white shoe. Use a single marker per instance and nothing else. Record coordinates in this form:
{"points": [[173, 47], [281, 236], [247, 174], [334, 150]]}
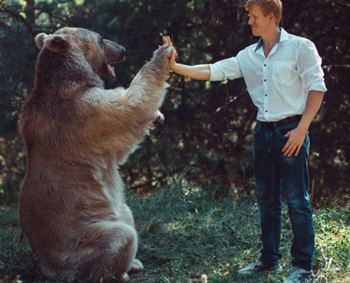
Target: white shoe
{"points": [[259, 266], [299, 275]]}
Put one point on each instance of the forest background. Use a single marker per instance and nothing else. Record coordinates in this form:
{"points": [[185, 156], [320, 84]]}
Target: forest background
{"points": [[208, 130]]}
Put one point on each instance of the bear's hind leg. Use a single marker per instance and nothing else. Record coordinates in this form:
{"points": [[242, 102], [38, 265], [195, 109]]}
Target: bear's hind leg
{"points": [[111, 253]]}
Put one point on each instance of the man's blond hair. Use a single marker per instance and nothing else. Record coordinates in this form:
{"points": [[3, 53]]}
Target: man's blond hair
{"points": [[267, 7]]}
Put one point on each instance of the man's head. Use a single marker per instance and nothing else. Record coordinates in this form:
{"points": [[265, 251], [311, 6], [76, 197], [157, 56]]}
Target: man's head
{"points": [[267, 7]]}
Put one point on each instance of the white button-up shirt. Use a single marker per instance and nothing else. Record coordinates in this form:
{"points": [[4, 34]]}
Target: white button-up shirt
{"points": [[279, 83]]}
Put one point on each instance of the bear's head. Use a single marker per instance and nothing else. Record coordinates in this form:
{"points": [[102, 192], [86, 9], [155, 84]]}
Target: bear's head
{"points": [[100, 53]]}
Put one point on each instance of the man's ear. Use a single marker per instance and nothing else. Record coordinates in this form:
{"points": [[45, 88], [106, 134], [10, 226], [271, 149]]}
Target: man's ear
{"points": [[53, 42]]}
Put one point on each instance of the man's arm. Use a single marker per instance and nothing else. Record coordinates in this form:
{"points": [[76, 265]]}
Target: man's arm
{"points": [[197, 72], [297, 136]]}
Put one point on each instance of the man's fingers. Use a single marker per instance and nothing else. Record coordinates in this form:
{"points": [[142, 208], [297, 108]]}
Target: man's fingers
{"points": [[289, 152], [289, 149], [287, 134], [166, 40], [286, 146], [297, 151], [173, 53], [294, 143]]}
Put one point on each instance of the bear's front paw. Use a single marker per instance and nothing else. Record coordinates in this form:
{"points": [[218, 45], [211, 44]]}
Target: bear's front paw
{"points": [[164, 52], [159, 120]]}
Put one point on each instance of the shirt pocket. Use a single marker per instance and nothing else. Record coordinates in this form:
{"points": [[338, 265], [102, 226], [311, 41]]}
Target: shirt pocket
{"points": [[282, 71]]}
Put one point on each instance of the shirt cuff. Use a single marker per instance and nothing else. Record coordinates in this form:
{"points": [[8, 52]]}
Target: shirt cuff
{"points": [[215, 73], [318, 86]]}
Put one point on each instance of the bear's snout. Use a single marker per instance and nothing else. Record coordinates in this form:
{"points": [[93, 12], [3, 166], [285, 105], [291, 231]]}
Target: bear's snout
{"points": [[114, 53]]}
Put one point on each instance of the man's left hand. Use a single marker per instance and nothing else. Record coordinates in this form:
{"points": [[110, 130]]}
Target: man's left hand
{"points": [[295, 141]]}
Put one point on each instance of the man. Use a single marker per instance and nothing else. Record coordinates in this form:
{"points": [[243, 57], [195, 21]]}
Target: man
{"points": [[284, 78]]}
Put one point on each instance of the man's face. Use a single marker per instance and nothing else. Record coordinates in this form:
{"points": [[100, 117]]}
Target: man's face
{"points": [[259, 23]]}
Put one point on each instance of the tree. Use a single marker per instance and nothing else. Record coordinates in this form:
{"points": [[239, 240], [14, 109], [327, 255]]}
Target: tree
{"points": [[209, 126]]}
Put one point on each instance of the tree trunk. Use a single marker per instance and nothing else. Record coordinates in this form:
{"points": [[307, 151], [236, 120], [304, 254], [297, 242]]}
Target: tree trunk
{"points": [[30, 11]]}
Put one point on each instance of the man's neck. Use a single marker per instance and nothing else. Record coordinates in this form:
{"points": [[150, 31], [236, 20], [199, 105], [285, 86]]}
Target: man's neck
{"points": [[271, 38]]}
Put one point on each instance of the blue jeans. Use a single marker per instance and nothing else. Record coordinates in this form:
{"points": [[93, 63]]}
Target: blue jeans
{"points": [[274, 171]]}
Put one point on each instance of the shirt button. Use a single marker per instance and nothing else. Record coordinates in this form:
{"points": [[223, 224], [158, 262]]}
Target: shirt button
{"points": [[265, 80], [265, 94], [265, 111], [264, 65]]}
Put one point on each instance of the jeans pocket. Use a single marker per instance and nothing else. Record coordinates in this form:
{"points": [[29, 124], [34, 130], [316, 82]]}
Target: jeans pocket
{"points": [[282, 131]]}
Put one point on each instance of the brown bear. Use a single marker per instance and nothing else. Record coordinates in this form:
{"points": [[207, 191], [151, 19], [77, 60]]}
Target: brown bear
{"points": [[71, 204]]}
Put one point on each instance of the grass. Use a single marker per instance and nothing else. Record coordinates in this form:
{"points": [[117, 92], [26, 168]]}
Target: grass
{"points": [[184, 233]]}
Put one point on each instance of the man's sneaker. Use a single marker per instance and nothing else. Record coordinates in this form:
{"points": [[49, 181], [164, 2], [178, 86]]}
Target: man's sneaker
{"points": [[299, 275], [259, 266]]}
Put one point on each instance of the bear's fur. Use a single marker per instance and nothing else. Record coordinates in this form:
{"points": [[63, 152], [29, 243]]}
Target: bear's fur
{"points": [[72, 206]]}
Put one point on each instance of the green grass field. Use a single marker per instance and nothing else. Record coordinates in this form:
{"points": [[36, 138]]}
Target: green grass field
{"points": [[185, 233]]}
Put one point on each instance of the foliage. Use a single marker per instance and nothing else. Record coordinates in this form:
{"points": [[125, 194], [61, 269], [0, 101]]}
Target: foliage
{"points": [[209, 126], [185, 232]]}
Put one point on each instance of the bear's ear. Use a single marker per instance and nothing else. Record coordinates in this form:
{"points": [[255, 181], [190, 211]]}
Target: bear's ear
{"points": [[53, 42], [39, 40]]}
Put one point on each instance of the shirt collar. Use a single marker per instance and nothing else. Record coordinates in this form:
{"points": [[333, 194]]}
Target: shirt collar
{"points": [[283, 37]]}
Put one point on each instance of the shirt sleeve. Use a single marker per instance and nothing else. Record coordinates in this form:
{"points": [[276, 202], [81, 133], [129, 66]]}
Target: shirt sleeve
{"points": [[309, 65], [227, 69]]}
